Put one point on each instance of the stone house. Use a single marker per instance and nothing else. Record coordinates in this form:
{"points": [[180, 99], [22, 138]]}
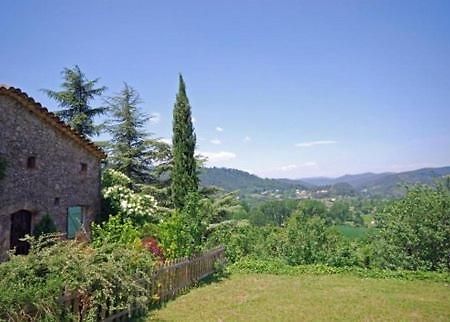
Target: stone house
{"points": [[50, 169]]}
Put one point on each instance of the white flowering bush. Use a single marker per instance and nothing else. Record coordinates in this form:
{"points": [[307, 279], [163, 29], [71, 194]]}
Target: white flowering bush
{"points": [[111, 177], [126, 203]]}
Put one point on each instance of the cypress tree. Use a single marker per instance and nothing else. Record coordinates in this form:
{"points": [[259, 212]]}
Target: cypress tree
{"points": [[184, 177], [75, 98]]}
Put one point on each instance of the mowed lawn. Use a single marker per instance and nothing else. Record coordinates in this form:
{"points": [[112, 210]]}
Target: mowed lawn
{"points": [[259, 297]]}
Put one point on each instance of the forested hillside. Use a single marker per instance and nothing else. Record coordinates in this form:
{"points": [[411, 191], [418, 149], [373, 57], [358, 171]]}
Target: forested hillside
{"points": [[371, 184], [233, 179]]}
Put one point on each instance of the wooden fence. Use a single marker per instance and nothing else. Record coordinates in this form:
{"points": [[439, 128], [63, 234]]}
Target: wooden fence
{"points": [[169, 279]]}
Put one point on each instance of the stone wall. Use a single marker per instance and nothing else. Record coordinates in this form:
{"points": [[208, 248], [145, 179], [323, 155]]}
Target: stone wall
{"points": [[57, 181]]}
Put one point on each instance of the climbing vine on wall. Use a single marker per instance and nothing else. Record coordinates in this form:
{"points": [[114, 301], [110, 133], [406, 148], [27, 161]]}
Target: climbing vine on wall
{"points": [[2, 168]]}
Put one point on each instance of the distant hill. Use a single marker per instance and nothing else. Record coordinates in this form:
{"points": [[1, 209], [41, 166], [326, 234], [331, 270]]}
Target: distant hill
{"points": [[233, 179], [355, 180], [385, 184], [372, 184]]}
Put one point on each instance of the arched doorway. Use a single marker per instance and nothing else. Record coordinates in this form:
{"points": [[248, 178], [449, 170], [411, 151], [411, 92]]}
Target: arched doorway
{"points": [[20, 226]]}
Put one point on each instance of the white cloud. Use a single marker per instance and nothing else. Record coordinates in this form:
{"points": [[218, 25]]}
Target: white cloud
{"points": [[219, 129], [194, 120], [215, 157], [313, 143], [215, 141], [166, 140], [247, 139], [155, 118], [290, 167]]}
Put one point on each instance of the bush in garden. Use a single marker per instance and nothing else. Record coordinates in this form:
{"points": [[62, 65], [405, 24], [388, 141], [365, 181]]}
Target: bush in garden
{"points": [[110, 275], [238, 237], [308, 240], [44, 226], [2, 168], [414, 232], [121, 200], [115, 231], [152, 245], [183, 232]]}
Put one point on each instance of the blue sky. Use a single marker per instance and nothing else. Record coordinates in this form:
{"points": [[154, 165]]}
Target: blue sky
{"points": [[278, 88]]}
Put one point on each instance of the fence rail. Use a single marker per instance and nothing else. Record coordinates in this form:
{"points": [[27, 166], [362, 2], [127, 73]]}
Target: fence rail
{"points": [[169, 279]]}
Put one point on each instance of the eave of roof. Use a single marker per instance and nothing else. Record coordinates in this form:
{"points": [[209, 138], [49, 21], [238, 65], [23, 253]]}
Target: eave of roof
{"points": [[51, 119]]}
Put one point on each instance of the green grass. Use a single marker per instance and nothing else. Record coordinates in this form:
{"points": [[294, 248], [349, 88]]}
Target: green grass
{"points": [[353, 232], [264, 297]]}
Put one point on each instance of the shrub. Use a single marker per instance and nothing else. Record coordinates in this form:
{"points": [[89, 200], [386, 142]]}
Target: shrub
{"points": [[182, 232], [239, 238], [110, 276], [414, 232], [152, 245], [121, 200], [280, 267], [2, 168], [115, 231], [44, 226]]}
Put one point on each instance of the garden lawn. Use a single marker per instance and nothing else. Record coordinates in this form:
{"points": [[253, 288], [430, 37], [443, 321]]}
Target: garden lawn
{"points": [[264, 297]]}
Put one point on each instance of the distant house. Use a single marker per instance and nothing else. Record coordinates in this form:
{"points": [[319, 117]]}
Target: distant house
{"points": [[50, 169]]}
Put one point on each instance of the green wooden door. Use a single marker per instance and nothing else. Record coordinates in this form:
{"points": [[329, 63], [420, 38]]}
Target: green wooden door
{"points": [[74, 221]]}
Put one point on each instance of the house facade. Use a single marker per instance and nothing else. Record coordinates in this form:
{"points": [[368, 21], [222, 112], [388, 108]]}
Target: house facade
{"points": [[49, 169]]}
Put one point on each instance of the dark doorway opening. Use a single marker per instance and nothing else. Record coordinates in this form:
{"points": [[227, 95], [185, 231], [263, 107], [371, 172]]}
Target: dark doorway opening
{"points": [[20, 226]]}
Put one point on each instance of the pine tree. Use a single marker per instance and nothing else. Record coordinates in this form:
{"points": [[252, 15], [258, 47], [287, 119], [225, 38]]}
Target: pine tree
{"points": [[75, 97], [184, 171], [129, 151]]}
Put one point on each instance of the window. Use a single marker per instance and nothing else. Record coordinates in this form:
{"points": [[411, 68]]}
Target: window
{"points": [[31, 163], [74, 220], [83, 167], [56, 201]]}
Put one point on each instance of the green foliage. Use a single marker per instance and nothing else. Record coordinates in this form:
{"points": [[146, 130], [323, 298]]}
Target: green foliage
{"points": [[312, 208], [273, 212], [339, 212], [182, 232], [2, 168], [44, 226], [239, 238], [280, 267], [75, 98], [353, 233], [309, 241], [115, 231], [111, 178], [129, 147], [246, 183], [184, 172], [414, 232], [109, 275], [225, 206]]}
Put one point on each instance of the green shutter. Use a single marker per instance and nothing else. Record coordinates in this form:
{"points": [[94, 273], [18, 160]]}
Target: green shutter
{"points": [[74, 219]]}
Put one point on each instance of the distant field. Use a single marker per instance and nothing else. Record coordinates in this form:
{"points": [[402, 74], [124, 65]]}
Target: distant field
{"points": [[353, 232], [261, 297]]}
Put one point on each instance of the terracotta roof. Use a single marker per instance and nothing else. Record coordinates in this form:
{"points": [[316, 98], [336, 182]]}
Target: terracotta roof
{"points": [[51, 119]]}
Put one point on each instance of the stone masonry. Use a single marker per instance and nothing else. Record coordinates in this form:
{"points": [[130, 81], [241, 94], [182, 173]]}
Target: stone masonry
{"points": [[66, 171]]}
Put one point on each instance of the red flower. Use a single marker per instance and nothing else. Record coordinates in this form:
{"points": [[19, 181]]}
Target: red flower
{"points": [[152, 245]]}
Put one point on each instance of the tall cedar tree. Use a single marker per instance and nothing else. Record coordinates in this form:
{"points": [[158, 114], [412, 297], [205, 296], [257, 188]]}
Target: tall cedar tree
{"points": [[129, 145], [75, 97], [184, 172]]}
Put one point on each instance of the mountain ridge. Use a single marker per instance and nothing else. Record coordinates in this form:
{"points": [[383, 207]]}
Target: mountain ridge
{"points": [[369, 183]]}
